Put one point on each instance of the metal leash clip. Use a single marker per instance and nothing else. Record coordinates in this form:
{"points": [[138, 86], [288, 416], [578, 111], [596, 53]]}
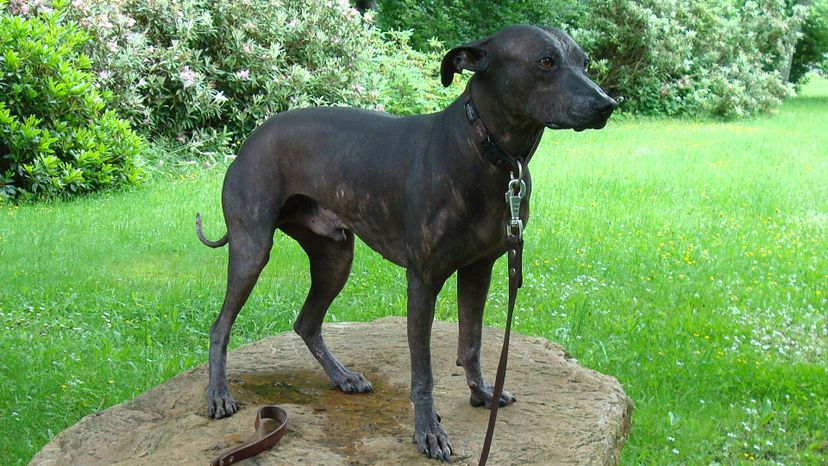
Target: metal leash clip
{"points": [[514, 196]]}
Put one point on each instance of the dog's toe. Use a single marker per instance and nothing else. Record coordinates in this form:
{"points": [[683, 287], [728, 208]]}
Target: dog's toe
{"points": [[434, 445], [484, 397], [220, 404], [353, 382]]}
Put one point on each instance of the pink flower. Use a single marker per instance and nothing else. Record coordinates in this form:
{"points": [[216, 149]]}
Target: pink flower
{"points": [[112, 46], [244, 75], [187, 77]]}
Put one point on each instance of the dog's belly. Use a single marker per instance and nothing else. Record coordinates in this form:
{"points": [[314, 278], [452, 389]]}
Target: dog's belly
{"points": [[378, 229]]}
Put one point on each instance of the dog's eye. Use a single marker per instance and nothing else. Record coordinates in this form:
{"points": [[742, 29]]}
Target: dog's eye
{"points": [[546, 63]]}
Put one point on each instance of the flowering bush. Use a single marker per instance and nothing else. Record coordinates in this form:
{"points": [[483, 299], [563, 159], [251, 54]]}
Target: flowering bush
{"points": [[56, 137], [691, 57], [184, 68]]}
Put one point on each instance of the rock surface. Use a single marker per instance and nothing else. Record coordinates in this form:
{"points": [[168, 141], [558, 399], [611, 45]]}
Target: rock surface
{"points": [[565, 414]]}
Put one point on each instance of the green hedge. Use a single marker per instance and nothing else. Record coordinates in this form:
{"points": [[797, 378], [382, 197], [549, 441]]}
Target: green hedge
{"points": [[56, 135]]}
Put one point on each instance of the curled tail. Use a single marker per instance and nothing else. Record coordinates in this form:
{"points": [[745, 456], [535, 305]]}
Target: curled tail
{"points": [[213, 244]]}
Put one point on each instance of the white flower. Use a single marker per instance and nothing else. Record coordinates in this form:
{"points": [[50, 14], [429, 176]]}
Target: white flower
{"points": [[187, 77], [219, 97]]}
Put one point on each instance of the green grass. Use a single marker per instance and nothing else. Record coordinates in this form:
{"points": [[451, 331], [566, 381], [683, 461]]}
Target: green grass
{"points": [[686, 258]]}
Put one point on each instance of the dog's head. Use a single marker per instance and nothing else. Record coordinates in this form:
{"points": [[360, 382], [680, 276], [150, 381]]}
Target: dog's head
{"points": [[537, 73]]}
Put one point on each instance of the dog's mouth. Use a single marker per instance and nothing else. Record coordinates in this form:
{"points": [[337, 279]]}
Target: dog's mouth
{"points": [[598, 124], [579, 120]]}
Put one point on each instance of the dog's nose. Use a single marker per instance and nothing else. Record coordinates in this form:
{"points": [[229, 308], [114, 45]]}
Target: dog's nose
{"points": [[604, 104]]}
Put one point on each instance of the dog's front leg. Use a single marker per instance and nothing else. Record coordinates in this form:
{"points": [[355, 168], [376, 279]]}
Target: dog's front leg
{"points": [[472, 290], [429, 435]]}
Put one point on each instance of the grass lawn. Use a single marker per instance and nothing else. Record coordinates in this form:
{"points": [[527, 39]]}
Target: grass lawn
{"points": [[689, 259]]}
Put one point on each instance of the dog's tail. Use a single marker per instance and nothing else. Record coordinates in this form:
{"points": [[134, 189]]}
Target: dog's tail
{"points": [[213, 244]]}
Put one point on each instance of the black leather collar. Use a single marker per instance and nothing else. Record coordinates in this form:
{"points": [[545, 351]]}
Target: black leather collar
{"points": [[491, 150]]}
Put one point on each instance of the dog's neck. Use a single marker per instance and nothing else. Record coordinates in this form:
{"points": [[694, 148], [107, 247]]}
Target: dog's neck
{"points": [[509, 137]]}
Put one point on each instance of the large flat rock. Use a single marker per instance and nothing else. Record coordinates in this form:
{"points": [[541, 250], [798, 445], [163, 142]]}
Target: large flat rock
{"points": [[565, 414]]}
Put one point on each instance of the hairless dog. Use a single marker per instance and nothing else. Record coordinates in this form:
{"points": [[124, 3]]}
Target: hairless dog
{"points": [[424, 191]]}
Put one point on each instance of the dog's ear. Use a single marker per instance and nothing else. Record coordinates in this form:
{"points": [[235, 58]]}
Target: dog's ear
{"points": [[473, 56]]}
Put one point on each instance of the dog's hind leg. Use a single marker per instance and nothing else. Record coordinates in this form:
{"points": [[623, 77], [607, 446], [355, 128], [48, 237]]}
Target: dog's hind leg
{"points": [[249, 252], [330, 266]]}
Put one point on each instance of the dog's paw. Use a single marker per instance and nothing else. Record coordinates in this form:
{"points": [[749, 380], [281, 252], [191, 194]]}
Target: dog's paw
{"points": [[482, 396], [220, 404], [352, 382], [433, 443]]}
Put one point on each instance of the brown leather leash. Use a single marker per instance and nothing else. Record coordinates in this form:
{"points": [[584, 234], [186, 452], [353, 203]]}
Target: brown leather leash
{"points": [[260, 441], [514, 241]]}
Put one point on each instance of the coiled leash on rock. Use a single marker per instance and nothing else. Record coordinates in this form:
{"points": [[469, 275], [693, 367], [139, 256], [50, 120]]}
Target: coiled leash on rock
{"points": [[260, 441], [514, 241]]}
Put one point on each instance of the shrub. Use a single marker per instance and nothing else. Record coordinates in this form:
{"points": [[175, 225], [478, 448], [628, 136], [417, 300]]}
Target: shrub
{"points": [[674, 57], [407, 81], [56, 136], [184, 68], [206, 72], [812, 49], [454, 22]]}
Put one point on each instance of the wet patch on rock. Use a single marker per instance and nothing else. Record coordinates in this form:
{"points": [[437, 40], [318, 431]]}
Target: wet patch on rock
{"points": [[351, 418]]}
